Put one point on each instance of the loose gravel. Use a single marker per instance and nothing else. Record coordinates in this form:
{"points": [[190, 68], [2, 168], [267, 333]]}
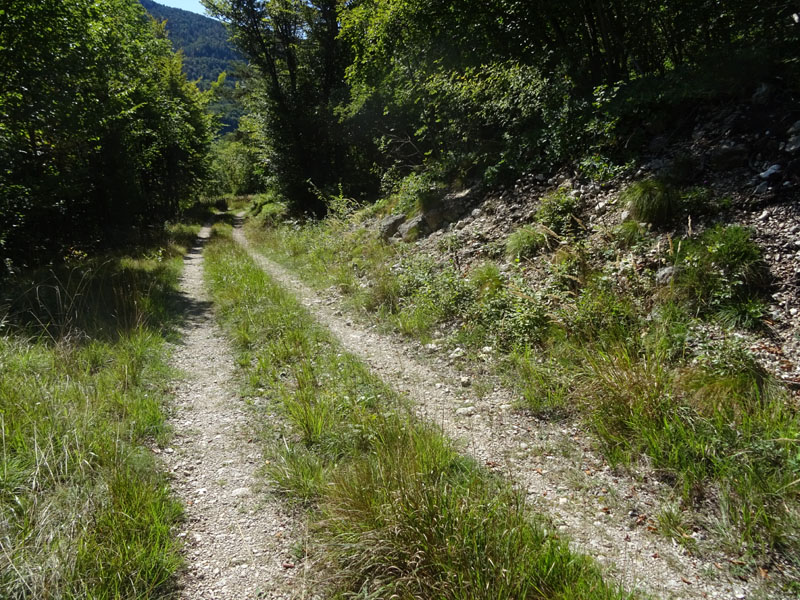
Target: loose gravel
{"points": [[238, 541]]}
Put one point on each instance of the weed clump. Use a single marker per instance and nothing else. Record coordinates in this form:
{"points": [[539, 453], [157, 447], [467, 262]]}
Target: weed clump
{"points": [[723, 274], [527, 241], [557, 212], [652, 201]]}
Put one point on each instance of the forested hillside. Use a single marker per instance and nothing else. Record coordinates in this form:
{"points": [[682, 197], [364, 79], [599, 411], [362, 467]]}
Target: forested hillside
{"points": [[207, 52], [366, 94]]}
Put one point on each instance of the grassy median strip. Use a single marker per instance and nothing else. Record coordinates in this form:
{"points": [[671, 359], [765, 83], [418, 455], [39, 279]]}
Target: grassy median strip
{"points": [[397, 511], [84, 510]]}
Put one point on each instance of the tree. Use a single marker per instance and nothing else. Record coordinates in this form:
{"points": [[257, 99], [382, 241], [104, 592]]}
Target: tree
{"points": [[99, 129], [300, 62]]}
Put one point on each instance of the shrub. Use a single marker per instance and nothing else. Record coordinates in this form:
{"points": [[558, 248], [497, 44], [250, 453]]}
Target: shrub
{"points": [[652, 201], [629, 233], [600, 313], [513, 316], [486, 278], [557, 211], [700, 200]]}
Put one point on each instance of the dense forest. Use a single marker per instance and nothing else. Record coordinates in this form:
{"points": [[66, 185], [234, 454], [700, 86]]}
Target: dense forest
{"points": [[354, 98]]}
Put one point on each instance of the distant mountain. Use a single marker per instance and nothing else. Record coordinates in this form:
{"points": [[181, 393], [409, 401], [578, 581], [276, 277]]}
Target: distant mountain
{"points": [[207, 52], [204, 41]]}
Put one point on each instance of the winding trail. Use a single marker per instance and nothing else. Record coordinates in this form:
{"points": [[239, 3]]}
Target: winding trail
{"points": [[238, 543], [606, 515]]}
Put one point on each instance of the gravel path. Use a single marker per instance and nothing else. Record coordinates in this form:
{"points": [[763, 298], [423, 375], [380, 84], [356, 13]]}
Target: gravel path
{"points": [[238, 543], [608, 516]]}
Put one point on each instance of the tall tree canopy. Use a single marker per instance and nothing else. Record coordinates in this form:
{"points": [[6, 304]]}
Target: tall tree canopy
{"points": [[300, 61], [99, 129]]}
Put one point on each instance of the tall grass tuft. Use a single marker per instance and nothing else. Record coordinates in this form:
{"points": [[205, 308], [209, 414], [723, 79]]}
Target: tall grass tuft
{"points": [[652, 201]]}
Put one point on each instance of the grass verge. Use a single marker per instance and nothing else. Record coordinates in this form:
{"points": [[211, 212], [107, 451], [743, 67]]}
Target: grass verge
{"points": [[396, 510], [84, 510]]}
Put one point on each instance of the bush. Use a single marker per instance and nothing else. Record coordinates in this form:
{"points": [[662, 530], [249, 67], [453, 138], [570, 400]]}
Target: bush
{"points": [[629, 233], [557, 211], [651, 201], [486, 279]]}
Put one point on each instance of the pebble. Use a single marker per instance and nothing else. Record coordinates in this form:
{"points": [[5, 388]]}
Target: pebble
{"points": [[465, 411], [240, 492], [465, 381]]}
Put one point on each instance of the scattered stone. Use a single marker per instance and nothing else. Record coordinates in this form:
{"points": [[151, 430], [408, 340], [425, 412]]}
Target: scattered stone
{"points": [[771, 173], [729, 157], [241, 492], [465, 411], [792, 145], [465, 382], [457, 353], [665, 275], [413, 229]]}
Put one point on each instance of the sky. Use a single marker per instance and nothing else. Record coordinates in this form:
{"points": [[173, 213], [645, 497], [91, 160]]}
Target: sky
{"points": [[192, 5]]}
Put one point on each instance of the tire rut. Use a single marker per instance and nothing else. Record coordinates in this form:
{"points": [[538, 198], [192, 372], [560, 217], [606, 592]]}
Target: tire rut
{"points": [[238, 542], [605, 514]]}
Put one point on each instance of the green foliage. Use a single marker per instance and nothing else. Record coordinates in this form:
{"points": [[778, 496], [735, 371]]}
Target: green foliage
{"points": [[722, 273], [486, 279], [600, 169], [601, 314], [700, 200], [651, 201], [100, 131], [299, 64], [234, 168], [557, 212], [527, 241], [629, 233]]}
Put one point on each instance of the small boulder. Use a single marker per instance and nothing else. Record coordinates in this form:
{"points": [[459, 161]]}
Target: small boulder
{"points": [[389, 226], [413, 229], [434, 219], [665, 275]]}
